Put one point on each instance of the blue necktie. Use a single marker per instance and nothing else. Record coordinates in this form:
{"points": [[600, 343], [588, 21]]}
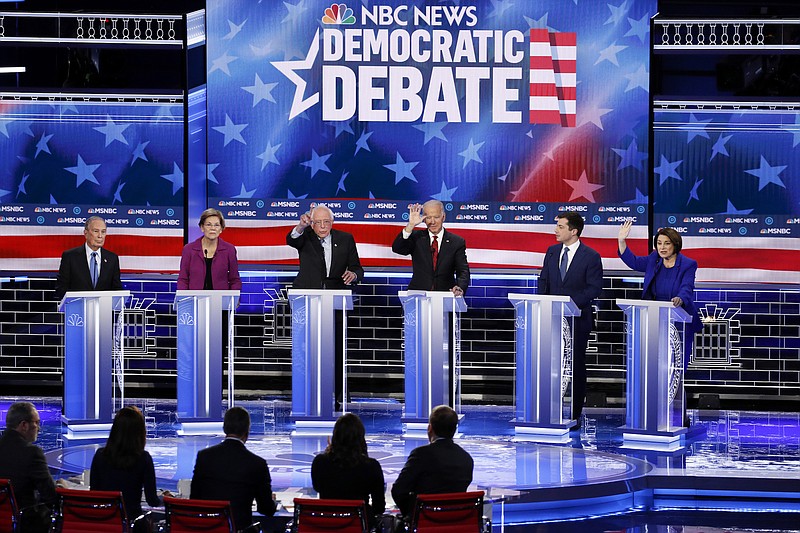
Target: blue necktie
{"points": [[562, 267], [94, 269]]}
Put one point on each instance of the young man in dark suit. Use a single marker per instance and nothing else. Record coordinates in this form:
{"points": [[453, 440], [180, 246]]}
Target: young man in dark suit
{"points": [[328, 260], [436, 468], [450, 271], [231, 472], [89, 267], [573, 269]]}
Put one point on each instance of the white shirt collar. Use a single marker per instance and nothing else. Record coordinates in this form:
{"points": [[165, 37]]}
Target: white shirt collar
{"points": [[440, 235]]}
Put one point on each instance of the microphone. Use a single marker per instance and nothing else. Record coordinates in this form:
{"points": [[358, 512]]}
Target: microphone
{"points": [[205, 251]]}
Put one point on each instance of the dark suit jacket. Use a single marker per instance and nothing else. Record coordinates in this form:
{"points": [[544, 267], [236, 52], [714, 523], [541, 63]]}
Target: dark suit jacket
{"points": [[224, 267], [436, 468], [583, 282], [452, 268], [74, 274], [683, 287], [231, 472], [24, 464], [344, 256], [359, 482]]}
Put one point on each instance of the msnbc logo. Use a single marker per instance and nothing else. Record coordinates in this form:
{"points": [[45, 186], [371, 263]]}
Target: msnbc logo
{"points": [[338, 14]]}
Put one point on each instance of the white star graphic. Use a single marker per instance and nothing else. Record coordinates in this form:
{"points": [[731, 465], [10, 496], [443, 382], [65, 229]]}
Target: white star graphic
{"points": [[593, 114], [610, 54], [767, 174], [232, 132], [138, 153], [268, 155], [222, 62], [444, 194], [234, 30], [294, 11], [83, 172], [113, 131], [261, 91], [287, 68], [640, 78], [471, 153], [617, 12], [41, 146], [402, 169], [581, 188], [176, 178]]}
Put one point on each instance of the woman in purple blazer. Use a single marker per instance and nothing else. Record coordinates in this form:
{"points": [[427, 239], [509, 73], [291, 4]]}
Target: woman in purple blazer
{"points": [[668, 275], [209, 262]]}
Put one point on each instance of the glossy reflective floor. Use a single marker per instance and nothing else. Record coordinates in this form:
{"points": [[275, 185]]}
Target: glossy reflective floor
{"points": [[733, 460]]}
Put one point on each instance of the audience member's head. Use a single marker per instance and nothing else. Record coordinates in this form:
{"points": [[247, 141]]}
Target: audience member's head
{"points": [[348, 444], [236, 423], [442, 422], [127, 438], [23, 418]]}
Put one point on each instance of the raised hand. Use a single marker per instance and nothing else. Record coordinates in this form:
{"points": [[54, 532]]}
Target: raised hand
{"points": [[414, 216], [624, 231]]}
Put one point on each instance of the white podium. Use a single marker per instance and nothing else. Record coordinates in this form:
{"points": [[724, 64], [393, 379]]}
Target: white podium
{"points": [[314, 356], [654, 388], [200, 330], [542, 372], [431, 324], [94, 343]]}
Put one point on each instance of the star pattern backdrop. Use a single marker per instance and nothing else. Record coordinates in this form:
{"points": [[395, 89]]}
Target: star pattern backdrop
{"points": [[257, 152], [729, 180], [64, 161]]}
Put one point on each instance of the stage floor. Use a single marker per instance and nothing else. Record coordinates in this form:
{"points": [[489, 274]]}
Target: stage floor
{"points": [[733, 460]]}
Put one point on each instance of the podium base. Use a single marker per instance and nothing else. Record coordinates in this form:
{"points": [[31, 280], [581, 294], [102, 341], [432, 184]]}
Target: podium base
{"points": [[206, 427], [313, 428], [85, 429], [417, 428], [548, 433], [665, 440]]}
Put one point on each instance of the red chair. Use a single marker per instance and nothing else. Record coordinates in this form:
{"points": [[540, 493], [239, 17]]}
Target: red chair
{"points": [[208, 516], [9, 512], [85, 511], [457, 512], [322, 516]]}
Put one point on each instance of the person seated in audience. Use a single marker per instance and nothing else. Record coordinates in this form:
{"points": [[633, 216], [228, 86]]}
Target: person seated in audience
{"points": [[439, 467], [124, 465], [228, 471], [24, 464], [346, 471]]}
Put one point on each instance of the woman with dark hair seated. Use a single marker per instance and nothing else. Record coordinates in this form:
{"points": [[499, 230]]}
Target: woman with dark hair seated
{"points": [[124, 465], [345, 470]]}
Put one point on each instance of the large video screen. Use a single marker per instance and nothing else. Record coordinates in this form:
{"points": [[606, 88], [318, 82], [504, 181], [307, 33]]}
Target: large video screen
{"points": [[726, 177], [507, 112], [68, 157]]}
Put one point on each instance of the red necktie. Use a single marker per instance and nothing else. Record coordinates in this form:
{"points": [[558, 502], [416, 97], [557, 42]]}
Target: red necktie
{"points": [[435, 250]]}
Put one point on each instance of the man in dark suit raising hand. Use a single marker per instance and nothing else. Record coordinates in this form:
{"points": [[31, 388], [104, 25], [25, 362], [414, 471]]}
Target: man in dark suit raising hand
{"points": [[438, 257], [89, 267], [573, 269]]}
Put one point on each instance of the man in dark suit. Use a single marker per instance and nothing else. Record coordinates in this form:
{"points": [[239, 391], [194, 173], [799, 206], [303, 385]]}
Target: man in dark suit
{"points": [[328, 260], [436, 468], [231, 472], [450, 270], [573, 269], [89, 267], [24, 464], [328, 257]]}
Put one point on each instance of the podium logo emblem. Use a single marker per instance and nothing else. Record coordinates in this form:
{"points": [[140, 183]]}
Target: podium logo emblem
{"points": [[299, 316], [75, 320], [186, 319]]}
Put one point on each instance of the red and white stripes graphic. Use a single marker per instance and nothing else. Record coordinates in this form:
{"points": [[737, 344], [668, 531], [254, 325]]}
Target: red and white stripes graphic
{"points": [[553, 77]]}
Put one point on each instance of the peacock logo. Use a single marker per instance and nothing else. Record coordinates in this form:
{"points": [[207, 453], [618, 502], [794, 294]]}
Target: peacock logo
{"points": [[338, 14]]}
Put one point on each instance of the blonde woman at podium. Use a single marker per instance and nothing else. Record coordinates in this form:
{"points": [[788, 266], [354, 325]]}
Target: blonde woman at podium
{"points": [[668, 275], [209, 263]]}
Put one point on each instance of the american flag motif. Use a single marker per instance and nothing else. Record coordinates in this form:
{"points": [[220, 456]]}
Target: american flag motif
{"points": [[553, 77]]}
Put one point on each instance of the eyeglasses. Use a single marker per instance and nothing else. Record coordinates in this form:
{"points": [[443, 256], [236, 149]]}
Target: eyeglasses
{"points": [[323, 223], [35, 422], [212, 226]]}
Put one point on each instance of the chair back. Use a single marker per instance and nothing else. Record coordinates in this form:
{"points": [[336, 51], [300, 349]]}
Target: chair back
{"points": [[9, 512], [321, 516], [86, 511], [207, 516], [457, 512]]}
